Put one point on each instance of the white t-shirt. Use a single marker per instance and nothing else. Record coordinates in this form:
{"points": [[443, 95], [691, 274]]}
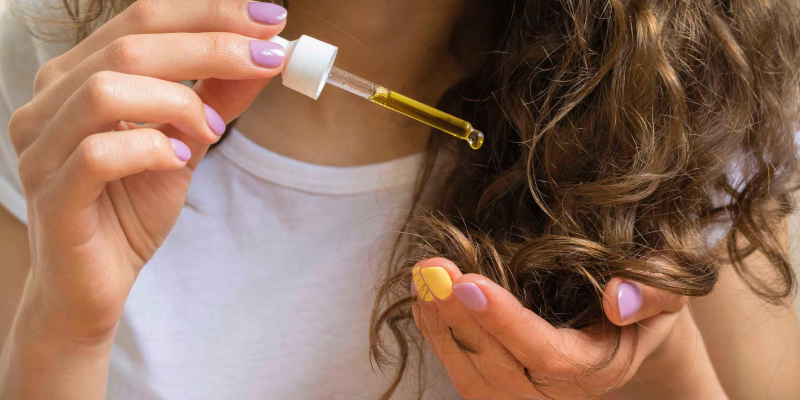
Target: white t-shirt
{"points": [[263, 289]]}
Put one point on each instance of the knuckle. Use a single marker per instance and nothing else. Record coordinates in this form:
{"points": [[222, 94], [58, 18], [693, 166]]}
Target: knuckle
{"points": [[18, 126], [187, 101], [46, 75], [153, 140], [91, 154], [101, 88], [219, 47], [216, 7], [123, 52], [140, 12]]}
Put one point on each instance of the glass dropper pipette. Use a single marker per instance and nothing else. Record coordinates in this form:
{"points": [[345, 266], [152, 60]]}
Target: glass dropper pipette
{"points": [[406, 106], [308, 66]]}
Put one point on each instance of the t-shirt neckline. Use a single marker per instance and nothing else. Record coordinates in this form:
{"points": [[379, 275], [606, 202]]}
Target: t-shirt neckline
{"points": [[288, 172]]}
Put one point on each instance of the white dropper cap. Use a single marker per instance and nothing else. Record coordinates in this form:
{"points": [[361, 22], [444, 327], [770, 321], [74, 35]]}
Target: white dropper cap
{"points": [[307, 64]]}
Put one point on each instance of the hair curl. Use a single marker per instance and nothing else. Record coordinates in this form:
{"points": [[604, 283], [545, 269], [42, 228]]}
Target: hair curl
{"points": [[620, 134]]}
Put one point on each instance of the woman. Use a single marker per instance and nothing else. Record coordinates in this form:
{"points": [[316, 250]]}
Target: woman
{"points": [[260, 289]]}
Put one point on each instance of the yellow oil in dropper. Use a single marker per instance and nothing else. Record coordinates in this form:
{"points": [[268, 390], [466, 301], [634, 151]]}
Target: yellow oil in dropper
{"points": [[428, 115], [407, 106]]}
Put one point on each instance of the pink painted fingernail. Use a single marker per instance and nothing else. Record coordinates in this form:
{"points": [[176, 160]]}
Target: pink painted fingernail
{"points": [[267, 13], [267, 54], [629, 299], [215, 122], [470, 296], [181, 150]]}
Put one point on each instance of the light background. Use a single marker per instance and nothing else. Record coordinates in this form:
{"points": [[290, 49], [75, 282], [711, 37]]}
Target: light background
{"points": [[794, 249]]}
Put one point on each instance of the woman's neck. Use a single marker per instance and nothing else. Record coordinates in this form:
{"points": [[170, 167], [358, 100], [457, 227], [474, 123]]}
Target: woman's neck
{"points": [[399, 44]]}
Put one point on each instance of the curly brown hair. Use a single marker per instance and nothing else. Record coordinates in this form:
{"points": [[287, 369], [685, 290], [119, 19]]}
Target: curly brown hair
{"points": [[619, 132]]}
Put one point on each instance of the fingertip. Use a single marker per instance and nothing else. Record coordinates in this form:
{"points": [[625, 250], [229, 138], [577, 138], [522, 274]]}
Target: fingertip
{"points": [[214, 120], [476, 279], [628, 302], [476, 291], [438, 262], [624, 302], [609, 301], [471, 296], [420, 287], [438, 281], [610, 304], [181, 150]]}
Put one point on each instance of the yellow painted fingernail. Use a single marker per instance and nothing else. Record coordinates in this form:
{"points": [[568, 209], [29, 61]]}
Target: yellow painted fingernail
{"points": [[422, 288], [439, 282]]}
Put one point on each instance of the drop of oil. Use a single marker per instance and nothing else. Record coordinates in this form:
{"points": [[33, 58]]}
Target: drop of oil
{"points": [[475, 139]]}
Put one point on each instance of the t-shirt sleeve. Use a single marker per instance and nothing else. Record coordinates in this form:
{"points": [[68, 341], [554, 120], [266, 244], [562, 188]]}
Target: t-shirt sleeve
{"points": [[21, 55]]}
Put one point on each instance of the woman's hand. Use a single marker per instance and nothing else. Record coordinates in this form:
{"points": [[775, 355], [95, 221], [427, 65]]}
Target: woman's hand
{"points": [[102, 192], [494, 348]]}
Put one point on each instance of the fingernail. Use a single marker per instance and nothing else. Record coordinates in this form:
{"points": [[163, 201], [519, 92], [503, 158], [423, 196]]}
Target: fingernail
{"points": [[422, 288], [438, 281], [267, 13], [266, 54], [470, 296], [181, 149], [629, 299], [215, 122]]}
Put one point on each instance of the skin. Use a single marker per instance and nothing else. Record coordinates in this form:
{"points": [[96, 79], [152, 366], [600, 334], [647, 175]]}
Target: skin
{"points": [[755, 345], [99, 213], [507, 338], [415, 62]]}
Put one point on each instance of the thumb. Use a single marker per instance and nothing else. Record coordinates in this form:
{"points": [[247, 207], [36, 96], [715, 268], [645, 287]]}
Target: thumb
{"points": [[228, 98], [628, 302]]}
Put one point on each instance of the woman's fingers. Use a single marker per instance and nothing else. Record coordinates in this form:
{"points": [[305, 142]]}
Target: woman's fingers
{"points": [[528, 337], [106, 157], [229, 98], [463, 374], [501, 336], [243, 17], [108, 98], [174, 57], [466, 377], [493, 361], [628, 302]]}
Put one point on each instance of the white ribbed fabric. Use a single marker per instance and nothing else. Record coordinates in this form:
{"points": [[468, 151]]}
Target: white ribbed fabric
{"points": [[308, 64]]}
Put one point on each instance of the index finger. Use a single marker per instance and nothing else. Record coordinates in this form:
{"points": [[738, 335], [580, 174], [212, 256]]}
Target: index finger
{"points": [[247, 18], [525, 334]]}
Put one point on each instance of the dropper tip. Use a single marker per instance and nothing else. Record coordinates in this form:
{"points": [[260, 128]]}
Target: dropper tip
{"points": [[475, 139]]}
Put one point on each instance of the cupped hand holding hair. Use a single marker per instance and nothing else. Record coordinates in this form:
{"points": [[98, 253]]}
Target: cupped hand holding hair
{"points": [[103, 192], [494, 348]]}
